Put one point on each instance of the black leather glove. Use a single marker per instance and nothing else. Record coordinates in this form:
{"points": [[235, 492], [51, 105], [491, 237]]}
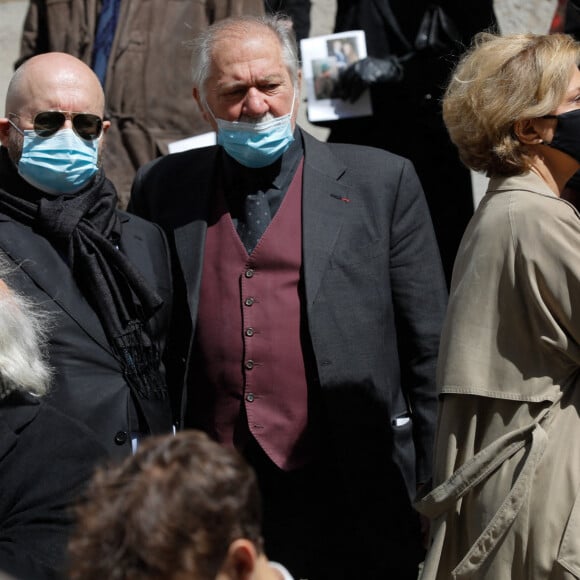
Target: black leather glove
{"points": [[367, 72]]}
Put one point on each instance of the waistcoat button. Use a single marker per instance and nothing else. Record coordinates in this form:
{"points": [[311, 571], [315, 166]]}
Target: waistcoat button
{"points": [[250, 397], [249, 273], [249, 364], [249, 301], [249, 332]]}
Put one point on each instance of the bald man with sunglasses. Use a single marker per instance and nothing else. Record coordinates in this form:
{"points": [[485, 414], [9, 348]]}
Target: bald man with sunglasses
{"points": [[102, 274]]}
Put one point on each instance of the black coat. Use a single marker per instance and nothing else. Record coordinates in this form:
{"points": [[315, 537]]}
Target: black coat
{"points": [[89, 384], [371, 16], [46, 458], [407, 116]]}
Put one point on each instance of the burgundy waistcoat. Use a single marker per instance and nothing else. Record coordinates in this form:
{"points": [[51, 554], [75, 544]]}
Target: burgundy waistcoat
{"points": [[248, 338]]}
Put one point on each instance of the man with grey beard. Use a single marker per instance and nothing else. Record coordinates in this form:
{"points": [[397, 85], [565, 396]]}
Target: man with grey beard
{"points": [[45, 457]]}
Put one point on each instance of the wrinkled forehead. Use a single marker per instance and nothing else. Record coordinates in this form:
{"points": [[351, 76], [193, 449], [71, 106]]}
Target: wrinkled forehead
{"points": [[246, 54]]}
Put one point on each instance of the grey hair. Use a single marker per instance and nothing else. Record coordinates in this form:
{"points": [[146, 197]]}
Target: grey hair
{"points": [[202, 45], [23, 338]]}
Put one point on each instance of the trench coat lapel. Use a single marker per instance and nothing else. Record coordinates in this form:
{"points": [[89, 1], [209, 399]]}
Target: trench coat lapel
{"points": [[325, 206], [36, 257]]}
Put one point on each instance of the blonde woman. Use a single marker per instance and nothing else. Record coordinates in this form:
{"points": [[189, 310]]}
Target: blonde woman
{"points": [[507, 459]]}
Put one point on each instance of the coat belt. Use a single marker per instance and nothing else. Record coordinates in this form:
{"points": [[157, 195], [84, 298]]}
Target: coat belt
{"points": [[445, 496]]}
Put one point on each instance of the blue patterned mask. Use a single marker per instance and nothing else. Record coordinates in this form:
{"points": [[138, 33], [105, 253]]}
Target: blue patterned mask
{"points": [[60, 164]]}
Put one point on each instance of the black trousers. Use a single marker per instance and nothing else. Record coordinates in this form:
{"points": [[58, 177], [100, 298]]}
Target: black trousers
{"points": [[310, 528]]}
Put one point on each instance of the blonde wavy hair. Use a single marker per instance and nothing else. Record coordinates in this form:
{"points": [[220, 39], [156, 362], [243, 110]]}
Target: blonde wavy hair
{"points": [[499, 81]]}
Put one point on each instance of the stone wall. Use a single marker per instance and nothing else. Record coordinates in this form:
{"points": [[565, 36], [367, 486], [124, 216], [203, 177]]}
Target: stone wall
{"points": [[524, 15]]}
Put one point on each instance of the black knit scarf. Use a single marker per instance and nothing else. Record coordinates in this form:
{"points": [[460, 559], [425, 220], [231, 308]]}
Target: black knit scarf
{"points": [[85, 227]]}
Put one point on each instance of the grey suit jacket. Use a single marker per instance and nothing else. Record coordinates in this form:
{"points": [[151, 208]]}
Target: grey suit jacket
{"points": [[375, 300]]}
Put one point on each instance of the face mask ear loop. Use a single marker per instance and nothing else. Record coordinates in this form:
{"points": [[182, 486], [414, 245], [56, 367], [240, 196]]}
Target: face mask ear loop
{"points": [[16, 127], [293, 101], [204, 101]]}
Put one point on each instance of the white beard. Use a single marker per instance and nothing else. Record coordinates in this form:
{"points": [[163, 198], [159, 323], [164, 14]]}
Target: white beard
{"points": [[22, 339]]}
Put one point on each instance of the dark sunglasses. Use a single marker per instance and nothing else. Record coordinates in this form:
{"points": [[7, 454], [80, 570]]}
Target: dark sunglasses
{"points": [[85, 125]]}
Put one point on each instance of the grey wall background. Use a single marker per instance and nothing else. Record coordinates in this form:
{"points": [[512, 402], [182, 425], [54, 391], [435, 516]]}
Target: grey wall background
{"points": [[11, 18]]}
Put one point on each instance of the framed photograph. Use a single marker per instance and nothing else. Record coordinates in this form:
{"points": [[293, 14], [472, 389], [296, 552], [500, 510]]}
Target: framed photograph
{"points": [[323, 59]]}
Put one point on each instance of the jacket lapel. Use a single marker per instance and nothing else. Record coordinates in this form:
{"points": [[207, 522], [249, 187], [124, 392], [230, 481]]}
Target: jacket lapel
{"points": [[190, 235], [190, 244], [325, 205], [16, 412], [8, 438], [39, 261]]}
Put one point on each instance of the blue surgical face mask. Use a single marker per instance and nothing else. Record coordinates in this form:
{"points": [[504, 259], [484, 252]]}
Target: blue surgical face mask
{"points": [[60, 164], [256, 145]]}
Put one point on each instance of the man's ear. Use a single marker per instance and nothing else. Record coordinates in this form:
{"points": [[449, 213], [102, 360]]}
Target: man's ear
{"points": [[240, 562], [4, 128], [201, 107], [528, 131]]}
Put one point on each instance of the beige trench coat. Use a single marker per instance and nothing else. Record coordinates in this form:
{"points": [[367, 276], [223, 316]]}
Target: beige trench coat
{"points": [[507, 458], [148, 86]]}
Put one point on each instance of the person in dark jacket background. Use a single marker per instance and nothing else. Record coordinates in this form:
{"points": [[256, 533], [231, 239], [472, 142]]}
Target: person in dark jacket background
{"points": [[406, 97], [297, 10]]}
